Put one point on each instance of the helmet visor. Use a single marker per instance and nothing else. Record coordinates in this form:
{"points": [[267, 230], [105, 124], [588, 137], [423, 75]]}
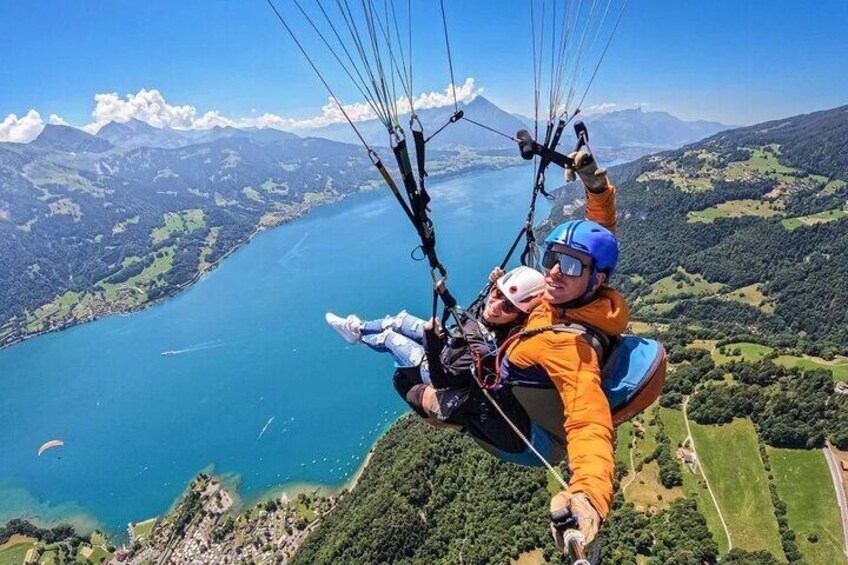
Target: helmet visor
{"points": [[569, 265]]}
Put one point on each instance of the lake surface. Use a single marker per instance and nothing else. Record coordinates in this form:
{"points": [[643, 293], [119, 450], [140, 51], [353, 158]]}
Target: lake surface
{"points": [[259, 387]]}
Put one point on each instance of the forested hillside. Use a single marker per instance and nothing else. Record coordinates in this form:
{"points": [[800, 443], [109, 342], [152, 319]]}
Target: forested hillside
{"points": [[733, 255], [743, 232], [431, 496], [92, 225]]}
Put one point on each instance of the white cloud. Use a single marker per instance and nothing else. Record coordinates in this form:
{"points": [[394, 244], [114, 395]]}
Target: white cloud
{"points": [[212, 119], [602, 107], [464, 93], [362, 111], [23, 129], [150, 106], [57, 120]]}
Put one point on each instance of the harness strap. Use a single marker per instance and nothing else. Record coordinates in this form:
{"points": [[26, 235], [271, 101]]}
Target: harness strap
{"points": [[599, 341], [390, 182], [596, 339], [420, 152]]}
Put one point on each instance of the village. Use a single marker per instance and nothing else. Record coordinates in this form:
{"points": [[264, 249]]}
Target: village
{"points": [[200, 530]]}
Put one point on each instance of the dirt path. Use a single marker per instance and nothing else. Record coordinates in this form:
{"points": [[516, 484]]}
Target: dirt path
{"points": [[836, 475], [691, 441]]}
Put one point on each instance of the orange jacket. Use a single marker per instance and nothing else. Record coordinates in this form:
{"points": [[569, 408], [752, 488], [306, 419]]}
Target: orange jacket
{"points": [[571, 363]]}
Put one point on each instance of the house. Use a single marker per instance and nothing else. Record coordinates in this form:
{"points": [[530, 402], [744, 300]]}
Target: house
{"points": [[687, 456], [32, 555]]}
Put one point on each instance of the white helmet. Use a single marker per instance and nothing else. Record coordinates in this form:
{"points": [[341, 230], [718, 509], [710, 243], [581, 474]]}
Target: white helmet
{"points": [[523, 287]]}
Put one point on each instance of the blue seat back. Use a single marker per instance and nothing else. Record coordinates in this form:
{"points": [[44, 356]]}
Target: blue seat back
{"points": [[631, 363]]}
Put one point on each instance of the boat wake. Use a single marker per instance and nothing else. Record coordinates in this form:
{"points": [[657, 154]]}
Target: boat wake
{"points": [[200, 347], [295, 252], [265, 427]]}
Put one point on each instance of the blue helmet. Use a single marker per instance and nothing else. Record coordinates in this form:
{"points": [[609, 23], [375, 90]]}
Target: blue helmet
{"points": [[590, 238]]}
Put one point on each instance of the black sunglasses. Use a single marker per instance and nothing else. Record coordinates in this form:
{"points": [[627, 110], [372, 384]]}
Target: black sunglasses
{"points": [[508, 307], [569, 265]]}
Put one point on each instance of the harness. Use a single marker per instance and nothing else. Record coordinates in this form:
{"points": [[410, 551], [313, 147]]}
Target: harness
{"points": [[600, 342]]}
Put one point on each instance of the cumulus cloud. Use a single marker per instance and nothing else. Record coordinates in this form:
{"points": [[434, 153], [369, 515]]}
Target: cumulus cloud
{"points": [[602, 107], [331, 113], [150, 106], [57, 120], [23, 129], [464, 93]]}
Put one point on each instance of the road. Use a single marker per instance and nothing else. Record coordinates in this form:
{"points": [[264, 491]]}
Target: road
{"points": [[691, 441], [836, 475]]}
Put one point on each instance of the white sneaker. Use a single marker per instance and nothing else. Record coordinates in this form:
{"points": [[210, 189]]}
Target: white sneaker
{"points": [[349, 328]]}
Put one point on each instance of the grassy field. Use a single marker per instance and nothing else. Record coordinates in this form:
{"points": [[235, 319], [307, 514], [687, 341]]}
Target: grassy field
{"points": [[693, 485], [733, 209], [747, 352], [640, 328], [97, 554], [623, 438], [833, 186], [730, 458], [667, 287], [683, 180], [804, 484], [97, 539], [839, 366], [646, 490], [14, 551], [49, 557], [304, 511], [708, 344], [144, 529], [176, 222], [764, 162], [552, 486], [812, 219], [535, 557], [252, 193], [121, 227], [209, 247], [658, 308], [751, 295]]}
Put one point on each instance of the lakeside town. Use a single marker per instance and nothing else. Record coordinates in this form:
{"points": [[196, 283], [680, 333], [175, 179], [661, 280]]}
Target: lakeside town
{"points": [[200, 529]]}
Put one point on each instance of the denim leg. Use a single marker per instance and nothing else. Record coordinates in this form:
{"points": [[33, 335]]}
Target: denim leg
{"points": [[402, 323], [406, 352]]}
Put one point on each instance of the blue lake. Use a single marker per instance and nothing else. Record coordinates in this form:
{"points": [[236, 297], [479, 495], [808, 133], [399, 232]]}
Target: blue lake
{"points": [[250, 345]]}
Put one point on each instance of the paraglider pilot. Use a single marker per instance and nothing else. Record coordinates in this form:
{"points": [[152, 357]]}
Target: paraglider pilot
{"points": [[579, 258]]}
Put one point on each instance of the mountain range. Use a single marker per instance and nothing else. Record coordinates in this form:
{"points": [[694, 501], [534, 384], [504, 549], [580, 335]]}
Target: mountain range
{"points": [[109, 222], [147, 208], [624, 134]]}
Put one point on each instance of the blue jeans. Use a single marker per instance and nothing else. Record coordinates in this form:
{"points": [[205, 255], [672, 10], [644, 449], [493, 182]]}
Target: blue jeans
{"points": [[402, 336]]}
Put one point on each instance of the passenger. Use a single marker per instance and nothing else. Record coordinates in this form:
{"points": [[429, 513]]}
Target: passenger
{"points": [[436, 368], [579, 258]]}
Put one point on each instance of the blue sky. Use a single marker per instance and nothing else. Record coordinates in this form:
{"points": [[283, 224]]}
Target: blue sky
{"points": [[736, 62]]}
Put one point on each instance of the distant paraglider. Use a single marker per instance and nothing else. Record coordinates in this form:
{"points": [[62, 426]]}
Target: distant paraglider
{"points": [[50, 445]]}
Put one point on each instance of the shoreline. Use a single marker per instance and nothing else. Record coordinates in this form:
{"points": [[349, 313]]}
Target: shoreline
{"points": [[292, 489], [85, 523], [257, 231]]}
